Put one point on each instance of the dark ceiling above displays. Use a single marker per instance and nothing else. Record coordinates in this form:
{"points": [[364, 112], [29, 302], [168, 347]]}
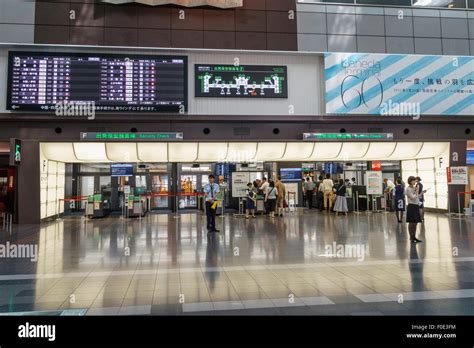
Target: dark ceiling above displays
{"points": [[185, 3], [257, 25]]}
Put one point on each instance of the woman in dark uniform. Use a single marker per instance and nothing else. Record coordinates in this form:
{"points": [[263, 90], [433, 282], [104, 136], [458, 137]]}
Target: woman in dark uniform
{"points": [[413, 209], [399, 199]]}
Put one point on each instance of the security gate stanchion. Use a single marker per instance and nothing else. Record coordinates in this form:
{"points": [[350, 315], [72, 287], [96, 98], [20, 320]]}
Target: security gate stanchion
{"points": [[459, 205], [369, 199], [59, 205], [7, 222], [85, 210], [356, 205], [241, 208], [386, 197], [141, 211], [123, 208], [223, 207], [176, 215], [449, 204]]}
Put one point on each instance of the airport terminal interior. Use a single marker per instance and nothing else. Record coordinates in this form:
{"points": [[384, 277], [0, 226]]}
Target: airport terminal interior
{"points": [[151, 254], [245, 157]]}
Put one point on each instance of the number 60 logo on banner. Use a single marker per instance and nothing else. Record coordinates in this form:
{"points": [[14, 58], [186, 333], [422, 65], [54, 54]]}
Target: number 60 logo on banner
{"points": [[348, 89]]}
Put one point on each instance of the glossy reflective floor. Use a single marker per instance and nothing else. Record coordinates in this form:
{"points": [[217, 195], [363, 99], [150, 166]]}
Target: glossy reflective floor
{"points": [[309, 263]]}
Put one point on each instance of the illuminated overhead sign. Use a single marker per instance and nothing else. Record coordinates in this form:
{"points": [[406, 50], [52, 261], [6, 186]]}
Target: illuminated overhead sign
{"points": [[15, 152], [347, 136], [81, 84], [124, 136], [185, 3]]}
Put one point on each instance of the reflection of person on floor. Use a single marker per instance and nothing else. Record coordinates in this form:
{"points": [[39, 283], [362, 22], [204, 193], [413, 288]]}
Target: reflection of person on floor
{"points": [[212, 261], [416, 270]]}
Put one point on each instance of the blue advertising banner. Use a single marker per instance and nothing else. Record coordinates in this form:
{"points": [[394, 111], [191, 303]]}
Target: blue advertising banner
{"points": [[399, 85]]}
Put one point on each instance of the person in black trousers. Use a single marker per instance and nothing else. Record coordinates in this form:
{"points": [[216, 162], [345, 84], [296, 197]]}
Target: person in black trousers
{"points": [[308, 188], [211, 190]]}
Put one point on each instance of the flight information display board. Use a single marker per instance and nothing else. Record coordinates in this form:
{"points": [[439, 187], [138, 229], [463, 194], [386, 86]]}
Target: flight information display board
{"points": [[117, 170], [112, 83], [291, 174], [249, 81]]}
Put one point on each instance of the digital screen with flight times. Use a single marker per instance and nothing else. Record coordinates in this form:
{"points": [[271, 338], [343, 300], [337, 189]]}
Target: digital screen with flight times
{"points": [[249, 81], [113, 83]]}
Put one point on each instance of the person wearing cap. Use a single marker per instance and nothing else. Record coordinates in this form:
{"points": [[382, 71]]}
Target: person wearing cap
{"points": [[211, 190], [413, 209]]}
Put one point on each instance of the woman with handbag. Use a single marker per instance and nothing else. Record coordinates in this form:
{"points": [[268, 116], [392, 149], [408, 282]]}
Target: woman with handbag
{"points": [[413, 209], [250, 201], [341, 202], [271, 198]]}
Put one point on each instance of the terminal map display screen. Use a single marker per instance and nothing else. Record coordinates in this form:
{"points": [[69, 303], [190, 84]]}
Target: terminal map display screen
{"points": [[112, 83], [249, 81]]}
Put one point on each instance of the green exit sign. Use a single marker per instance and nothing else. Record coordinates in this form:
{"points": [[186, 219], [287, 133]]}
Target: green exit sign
{"points": [[347, 136], [126, 136]]}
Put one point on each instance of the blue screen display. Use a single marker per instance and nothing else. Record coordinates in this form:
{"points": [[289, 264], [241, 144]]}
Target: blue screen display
{"points": [[470, 157], [121, 170], [290, 174], [333, 168]]}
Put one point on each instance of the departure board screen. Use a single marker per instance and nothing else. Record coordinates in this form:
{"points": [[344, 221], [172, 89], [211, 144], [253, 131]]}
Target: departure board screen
{"points": [[249, 81], [112, 83]]}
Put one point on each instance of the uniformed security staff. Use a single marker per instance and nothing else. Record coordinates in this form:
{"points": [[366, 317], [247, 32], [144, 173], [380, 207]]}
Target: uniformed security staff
{"points": [[211, 190]]}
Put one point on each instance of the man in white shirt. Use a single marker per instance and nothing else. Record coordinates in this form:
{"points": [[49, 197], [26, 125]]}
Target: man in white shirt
{"points": [[389, 184], [326, 187], [264, 185]]}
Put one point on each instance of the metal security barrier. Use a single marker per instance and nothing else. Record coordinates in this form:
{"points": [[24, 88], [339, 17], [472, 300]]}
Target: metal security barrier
{"points": [[461, 212]]}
